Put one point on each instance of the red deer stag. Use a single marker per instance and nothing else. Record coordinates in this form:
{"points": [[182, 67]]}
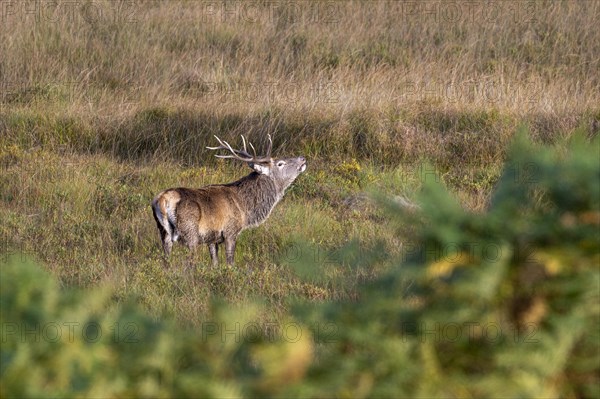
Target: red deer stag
{"points": [[219, 213]]}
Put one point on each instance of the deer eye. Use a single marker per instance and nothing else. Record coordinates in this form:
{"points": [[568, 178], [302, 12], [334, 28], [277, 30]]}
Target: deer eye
{"points": [[280, 163]]}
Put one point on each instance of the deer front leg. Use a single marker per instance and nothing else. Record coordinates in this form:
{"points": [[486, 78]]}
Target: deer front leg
{"points": [[230, 249], [213, 249]]}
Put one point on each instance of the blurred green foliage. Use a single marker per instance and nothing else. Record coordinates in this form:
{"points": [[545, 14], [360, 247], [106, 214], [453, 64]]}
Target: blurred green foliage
{"points": [[500, 303]]}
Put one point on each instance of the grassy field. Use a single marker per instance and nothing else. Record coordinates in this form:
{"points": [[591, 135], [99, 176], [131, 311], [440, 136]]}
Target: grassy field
{"points": [[103, 104]]}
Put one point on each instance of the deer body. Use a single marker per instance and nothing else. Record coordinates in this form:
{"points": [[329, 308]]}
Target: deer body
{"points": [[219, 213]]}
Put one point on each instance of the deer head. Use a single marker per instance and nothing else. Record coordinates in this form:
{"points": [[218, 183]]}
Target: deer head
{"points": [[283, 171]]}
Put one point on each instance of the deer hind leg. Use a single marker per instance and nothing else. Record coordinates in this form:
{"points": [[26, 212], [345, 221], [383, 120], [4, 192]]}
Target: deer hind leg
{"points": [[167, 245], [164, 231], [230, 249], [213, 249]]}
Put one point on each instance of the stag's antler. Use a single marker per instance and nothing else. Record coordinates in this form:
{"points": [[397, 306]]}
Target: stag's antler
{"points": [[243, 155]]}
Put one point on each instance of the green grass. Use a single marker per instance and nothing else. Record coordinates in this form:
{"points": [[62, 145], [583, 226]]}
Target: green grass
{"points": [[88, 218], [84, 212]]}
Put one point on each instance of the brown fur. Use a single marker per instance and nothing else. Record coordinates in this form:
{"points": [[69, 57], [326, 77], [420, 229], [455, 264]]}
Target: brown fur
{"points": [[219, 213]]}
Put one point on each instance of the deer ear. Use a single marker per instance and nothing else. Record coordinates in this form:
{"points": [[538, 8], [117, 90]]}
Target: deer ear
{"points": [[260, 168]]}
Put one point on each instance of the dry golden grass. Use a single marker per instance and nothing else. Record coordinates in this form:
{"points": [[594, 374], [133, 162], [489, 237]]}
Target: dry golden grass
{"points": [[105, 61]]}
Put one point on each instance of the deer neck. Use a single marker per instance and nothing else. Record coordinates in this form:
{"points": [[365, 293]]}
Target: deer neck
{"points": [[259, 194]]}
